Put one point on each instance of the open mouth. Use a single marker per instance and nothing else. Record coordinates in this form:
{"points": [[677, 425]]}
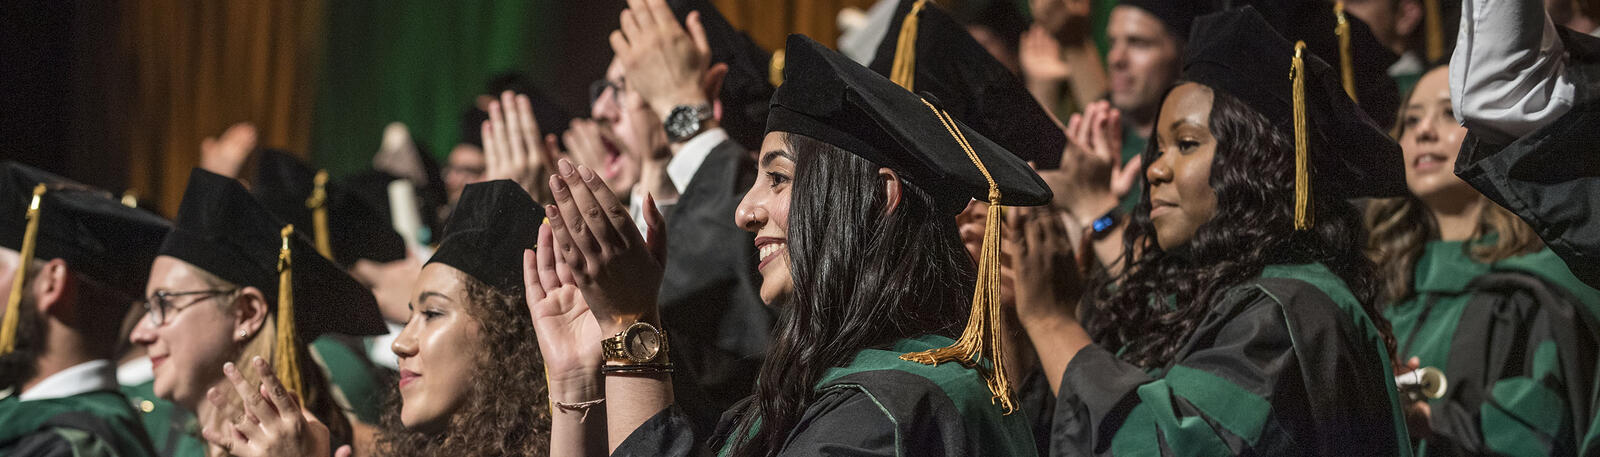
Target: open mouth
{"points": [[768, 249], [613, 159], [1428, 162]]}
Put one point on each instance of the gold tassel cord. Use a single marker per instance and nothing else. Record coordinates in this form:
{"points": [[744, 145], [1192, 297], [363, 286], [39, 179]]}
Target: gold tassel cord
{"points": [[284, 358], [775, 69], [982, 340], [1434, 29], [1302, 168], [30, 238], [904, 69], [1346, 66], [318, 203]]}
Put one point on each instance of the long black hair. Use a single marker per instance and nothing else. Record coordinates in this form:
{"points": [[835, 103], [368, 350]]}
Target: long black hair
{"points": [[863, 277], [1252, 173]]}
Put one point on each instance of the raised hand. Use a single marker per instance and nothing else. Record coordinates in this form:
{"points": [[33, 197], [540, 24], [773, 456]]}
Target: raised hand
{"points": [[665, 64], [617, 272], [1048, 282], [1092, 178], [226, 154], [513, 148], [272, 423], [1040, 58], [569, 337]]}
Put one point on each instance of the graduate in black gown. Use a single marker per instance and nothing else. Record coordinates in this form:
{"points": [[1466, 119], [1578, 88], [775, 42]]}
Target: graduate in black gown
{"points": [[853, 215], [1245, 322], [72, 259]]}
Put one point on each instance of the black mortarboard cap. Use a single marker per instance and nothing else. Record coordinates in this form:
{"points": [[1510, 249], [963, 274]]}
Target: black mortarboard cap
{"points": [[225, 231], [828, 97], [357, 208], [747, 88], [90, 229], [970, 84], [1316, 23], [486, 233], [1177, 15], [1238, 53]]}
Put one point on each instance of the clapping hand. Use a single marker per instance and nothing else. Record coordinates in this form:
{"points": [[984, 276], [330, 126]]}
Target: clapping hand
{"points": [[615, 269], [1049, 282], [1092, 178], [666, 64], [513, 148], [1040, 58], [272, 424], [566, 329]]}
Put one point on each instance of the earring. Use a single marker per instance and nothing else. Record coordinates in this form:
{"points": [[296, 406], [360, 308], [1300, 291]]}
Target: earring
{"points": [[242, 333]]}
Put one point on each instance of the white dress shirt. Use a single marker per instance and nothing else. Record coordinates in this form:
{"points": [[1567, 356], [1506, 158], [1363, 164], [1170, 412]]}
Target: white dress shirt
{"points": [[91, 376], [680, 170], [1509, 73]]}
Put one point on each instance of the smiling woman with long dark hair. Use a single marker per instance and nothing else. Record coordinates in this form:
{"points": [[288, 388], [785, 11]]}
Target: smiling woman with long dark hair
{"points": [[853, 209], [1245, 322]]}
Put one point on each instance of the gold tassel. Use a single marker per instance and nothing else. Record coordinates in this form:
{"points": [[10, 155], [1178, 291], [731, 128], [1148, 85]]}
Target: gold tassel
{"points": [[904, 69], [30, 238], [1346, 68], [775, 69], [1435, 30], [983, 338], [284, 358], [318, 203], [130, 198], [1302, 171]]}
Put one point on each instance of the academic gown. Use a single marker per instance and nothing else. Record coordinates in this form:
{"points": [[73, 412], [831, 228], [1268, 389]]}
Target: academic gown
{"points": [[359, 385], [1285, 364], [1551, 177], [710, 292], [1516, 340], [91, 424], [878, 405]]}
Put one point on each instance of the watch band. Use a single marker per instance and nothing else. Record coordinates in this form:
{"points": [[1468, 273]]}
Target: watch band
{"points": [[1101, 226], [614, 349], [686, 121]]}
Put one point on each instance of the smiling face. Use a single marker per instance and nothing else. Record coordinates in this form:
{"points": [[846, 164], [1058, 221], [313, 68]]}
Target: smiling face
{"points": [[1431, 137], [765, 212], [1142, 63], [201, 333], [1181, 198], [437, 349]]}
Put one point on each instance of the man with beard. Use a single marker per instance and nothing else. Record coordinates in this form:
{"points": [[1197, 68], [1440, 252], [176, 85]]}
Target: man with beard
{"points": [[72, 259]]}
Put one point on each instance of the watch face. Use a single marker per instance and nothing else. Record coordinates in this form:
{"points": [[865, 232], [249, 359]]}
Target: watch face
{"points": [[642, 344]]}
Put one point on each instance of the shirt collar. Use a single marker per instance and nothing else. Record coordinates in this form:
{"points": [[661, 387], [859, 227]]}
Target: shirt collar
{"points": [[91, 376], [135, 372], [686, 162]]}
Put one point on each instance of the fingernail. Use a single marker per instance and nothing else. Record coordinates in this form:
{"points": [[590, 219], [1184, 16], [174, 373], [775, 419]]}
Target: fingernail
{"points": [[260, 362], [228, 368], [551, 213], [585, 173], [566, 167]]}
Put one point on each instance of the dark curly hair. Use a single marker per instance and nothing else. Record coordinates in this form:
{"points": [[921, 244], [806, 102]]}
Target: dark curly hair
{"points": [[862, 279], [1252, 174], [505, 413]]}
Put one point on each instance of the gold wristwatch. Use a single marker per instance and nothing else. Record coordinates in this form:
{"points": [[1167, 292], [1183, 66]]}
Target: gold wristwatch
{"points": [[637, 344]]}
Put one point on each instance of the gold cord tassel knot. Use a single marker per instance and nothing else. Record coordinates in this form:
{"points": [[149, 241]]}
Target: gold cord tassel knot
{"points": [[775, 68], [284, 358], [1302, 167], [30, 238], [982, 340]]}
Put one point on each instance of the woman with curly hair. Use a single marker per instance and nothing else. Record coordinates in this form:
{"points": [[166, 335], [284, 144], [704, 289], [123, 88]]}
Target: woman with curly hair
{"points": [[471, 377], [1474, 292], [1243, 322]]}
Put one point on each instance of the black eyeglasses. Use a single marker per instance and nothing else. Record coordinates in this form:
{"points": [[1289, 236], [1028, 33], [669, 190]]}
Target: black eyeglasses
{"points": [[598, 88], [158, 307]]}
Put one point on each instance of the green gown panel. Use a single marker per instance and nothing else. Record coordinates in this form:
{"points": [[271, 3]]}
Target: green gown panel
{"points": [[1286, 364], [359, 384], [878, 405], [92, 424], [1517, 341]]}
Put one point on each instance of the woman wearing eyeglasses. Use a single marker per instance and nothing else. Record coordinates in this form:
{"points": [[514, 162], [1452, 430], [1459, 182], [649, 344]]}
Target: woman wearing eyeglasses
{"points": [[232, 285]]}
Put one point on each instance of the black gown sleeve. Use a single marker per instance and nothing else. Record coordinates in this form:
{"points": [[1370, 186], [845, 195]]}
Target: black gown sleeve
{"points": [[1233, 389], [842, 421], [667, 434]]}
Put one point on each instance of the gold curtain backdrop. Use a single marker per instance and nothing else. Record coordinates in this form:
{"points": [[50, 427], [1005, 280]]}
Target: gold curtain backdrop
{"points": [[202, 66], [770, 21]]}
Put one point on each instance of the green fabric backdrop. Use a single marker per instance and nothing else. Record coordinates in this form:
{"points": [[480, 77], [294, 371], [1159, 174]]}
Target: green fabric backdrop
{"points": [[419, 62]]}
